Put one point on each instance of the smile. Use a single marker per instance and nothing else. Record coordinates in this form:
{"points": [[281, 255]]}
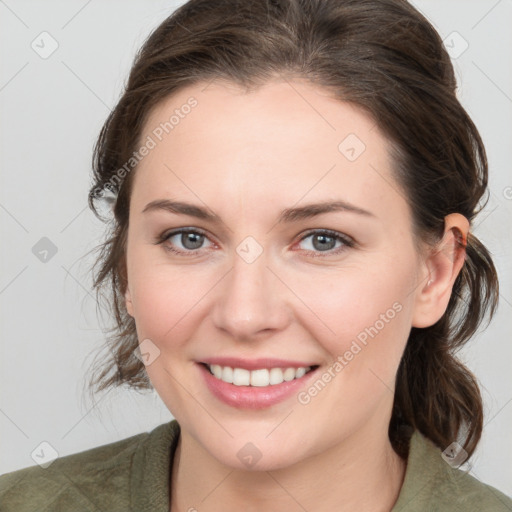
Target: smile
{"points": [[258, 378], [255, 384]]}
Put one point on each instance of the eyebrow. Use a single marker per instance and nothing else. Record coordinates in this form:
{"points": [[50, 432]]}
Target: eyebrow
{"points": [[287, 215]]}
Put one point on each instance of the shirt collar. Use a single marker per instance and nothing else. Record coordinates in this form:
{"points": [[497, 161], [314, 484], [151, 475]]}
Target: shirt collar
{"points": [[151, 466]]}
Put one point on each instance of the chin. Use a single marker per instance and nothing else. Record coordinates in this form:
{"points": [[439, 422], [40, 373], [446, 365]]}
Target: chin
{"points": [[259, 455]]}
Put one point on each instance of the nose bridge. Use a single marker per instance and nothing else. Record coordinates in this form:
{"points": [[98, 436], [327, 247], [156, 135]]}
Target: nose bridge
{"points": [[251, 297]]}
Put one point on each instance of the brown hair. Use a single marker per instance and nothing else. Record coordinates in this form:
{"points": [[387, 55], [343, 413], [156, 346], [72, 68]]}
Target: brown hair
{"points": [[382, 56]]}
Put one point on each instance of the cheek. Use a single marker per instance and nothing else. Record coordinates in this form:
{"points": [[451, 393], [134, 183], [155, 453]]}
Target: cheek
{"points": [[166, 298], [159, 304], [367, 315], [359, 312]]}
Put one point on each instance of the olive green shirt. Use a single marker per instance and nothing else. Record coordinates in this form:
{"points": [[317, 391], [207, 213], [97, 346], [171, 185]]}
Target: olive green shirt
{"points": [[133, 475]]}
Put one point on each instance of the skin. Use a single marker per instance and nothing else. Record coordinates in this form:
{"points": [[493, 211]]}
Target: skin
{"points": [[246, 157]]}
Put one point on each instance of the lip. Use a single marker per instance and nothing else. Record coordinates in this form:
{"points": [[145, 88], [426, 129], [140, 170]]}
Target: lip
{"points": [[253, 397], [256, 364]]}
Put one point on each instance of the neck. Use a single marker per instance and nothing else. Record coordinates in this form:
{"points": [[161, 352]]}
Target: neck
{"points": [[361, 473]]}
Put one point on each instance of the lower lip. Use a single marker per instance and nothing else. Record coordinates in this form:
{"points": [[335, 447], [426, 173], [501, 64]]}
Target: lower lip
{"points": [[252, 397]]}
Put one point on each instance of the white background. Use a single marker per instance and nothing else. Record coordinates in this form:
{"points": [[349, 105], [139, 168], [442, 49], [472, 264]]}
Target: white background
{"points": [[51, 113]]}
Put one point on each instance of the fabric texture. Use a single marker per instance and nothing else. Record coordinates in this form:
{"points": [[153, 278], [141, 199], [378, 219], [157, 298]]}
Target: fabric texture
{"points": [[133, 475]]}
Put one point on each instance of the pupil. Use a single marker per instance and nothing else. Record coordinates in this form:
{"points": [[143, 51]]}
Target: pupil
{"points": [[324, 238], [187, 239]]}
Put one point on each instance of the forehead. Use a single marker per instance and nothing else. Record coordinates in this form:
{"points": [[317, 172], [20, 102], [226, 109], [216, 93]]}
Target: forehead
{"points": [[282, 142]]}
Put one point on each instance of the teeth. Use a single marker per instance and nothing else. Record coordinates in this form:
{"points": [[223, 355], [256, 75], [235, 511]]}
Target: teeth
{"points": [[257, 378], [289, 374], [241, 377], [260, 378], [217, 371], [300, 372], [227, 374], [275, 376]]}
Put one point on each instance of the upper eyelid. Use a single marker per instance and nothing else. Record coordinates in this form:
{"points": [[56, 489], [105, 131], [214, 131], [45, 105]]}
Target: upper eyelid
{"points": [[177, 231]]}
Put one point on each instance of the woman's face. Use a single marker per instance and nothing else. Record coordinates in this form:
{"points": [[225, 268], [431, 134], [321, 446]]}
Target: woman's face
{"points": [[258, 283]]}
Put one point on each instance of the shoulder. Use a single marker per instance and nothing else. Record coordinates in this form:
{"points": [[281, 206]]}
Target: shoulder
{"points": [[459, 490], [431, 483], [91, 480], [464, 492]]}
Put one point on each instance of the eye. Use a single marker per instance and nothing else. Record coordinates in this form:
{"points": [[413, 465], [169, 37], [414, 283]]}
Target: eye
{"points": [[190, 240], [324, 241]]}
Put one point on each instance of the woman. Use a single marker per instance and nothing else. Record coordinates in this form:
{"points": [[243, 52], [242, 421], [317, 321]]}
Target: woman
{"points": [[292, 266]]}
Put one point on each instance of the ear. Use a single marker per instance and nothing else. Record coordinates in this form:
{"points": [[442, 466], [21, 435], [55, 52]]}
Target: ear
{"points": [[122, 271], [442, 266], [128, 301]]}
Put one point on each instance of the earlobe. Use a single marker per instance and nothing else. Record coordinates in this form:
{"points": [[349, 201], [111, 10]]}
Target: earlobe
{"points": [[443, 265]]}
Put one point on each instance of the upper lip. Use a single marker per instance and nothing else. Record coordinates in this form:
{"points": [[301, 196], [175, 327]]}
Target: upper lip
{"points": [[255, 364]]}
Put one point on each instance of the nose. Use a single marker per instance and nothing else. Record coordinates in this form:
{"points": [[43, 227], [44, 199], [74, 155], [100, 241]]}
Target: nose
{"points": [[251, 300]]}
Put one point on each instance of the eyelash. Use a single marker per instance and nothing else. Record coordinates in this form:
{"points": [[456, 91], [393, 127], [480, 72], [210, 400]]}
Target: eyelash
{"points": [[347, 242]]}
